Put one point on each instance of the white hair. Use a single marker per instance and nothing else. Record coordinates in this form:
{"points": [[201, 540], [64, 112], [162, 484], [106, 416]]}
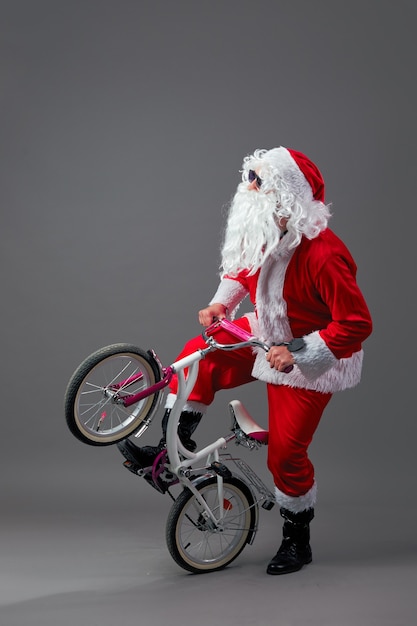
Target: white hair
{"points": [[252, 227]]}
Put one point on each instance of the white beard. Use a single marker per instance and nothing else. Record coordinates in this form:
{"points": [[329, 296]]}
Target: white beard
{"points": [[251, 232]]}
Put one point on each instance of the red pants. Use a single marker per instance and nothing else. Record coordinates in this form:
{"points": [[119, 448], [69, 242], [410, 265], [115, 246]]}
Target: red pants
{"points": [[294, 413]]}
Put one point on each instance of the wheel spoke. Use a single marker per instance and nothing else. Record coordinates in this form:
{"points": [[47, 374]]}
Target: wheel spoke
{"points": [[94, 412], [196, 542]]}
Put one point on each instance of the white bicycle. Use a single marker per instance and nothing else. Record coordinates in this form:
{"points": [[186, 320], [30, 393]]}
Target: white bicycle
{"points": [[115, 393]]}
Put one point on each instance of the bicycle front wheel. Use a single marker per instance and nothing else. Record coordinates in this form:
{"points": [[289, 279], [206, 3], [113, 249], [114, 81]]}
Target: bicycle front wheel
{"points": [[195, 542], [94, 399]]}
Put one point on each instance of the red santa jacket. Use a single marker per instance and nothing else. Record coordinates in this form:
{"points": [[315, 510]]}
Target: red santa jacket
{"points": [[310, 292]]}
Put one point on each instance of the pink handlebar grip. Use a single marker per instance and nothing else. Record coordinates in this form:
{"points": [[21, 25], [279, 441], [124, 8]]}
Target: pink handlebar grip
{"points": [[234, 330], [237, 332]]}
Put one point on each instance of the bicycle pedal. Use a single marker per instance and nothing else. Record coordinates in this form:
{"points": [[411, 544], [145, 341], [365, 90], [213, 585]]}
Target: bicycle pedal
{"points": [[268, 505], [161, 485], [135, 469], [221, 469]]}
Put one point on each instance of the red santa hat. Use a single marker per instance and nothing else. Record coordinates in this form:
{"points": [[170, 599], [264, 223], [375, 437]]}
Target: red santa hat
{"points": [[311, 173]]}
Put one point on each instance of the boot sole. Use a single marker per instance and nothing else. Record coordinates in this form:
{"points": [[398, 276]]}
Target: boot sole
{"points": [[286, 570]]}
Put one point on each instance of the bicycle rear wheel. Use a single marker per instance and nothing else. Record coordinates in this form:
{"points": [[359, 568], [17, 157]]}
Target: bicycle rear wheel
{"points": [[94, 409], [195, 542]]}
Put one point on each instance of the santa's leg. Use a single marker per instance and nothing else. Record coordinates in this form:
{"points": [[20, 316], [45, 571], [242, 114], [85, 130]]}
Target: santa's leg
{"points": [[294, 415]]}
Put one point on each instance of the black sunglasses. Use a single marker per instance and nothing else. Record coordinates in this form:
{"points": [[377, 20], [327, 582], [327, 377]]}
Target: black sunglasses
{"points": [[252, 175]]}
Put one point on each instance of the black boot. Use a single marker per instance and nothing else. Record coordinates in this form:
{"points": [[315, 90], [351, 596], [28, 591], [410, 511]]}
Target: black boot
{"points": [[140, 458], [295, 550]]}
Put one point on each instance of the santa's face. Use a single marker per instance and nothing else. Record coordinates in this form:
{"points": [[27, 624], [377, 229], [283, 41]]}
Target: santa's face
{"points": [[253, 226], [254, 180], [274, 197], [255, 184]]}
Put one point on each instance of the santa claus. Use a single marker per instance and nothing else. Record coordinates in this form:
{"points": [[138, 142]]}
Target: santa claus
{"points": [[301, 280]]}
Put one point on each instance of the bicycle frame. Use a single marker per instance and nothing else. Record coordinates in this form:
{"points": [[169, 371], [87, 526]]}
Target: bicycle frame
{"points": [[181, 459], [114, 394]]}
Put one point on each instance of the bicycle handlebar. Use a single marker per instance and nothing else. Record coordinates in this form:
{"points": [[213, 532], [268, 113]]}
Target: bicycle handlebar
{"points": [[246, 338]]}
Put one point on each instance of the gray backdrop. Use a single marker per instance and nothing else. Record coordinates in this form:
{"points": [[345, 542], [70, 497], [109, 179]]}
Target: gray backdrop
{"points": [[124, 125]]}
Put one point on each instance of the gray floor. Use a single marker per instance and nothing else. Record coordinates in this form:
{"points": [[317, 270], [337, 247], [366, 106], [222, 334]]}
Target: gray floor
{"points": [[76, 557]]}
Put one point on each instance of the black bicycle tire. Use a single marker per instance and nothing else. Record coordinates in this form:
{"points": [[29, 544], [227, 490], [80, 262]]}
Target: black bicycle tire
{"points": [[174, 516], [81, 373]]}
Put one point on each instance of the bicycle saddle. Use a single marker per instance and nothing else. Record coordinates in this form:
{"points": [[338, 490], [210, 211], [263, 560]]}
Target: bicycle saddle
{"points": [[246, 423]]}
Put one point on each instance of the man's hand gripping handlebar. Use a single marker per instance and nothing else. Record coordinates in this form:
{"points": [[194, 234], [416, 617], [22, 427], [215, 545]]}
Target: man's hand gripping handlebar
{"points": [[245, 339]]}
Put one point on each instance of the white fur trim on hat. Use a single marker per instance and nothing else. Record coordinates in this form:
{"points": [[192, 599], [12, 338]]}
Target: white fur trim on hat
{"points": [[285, 166]]}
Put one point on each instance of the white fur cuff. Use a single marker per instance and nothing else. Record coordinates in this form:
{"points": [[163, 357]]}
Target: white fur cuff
{"points": [[316, 358], [297, 504], [230, 293]]}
